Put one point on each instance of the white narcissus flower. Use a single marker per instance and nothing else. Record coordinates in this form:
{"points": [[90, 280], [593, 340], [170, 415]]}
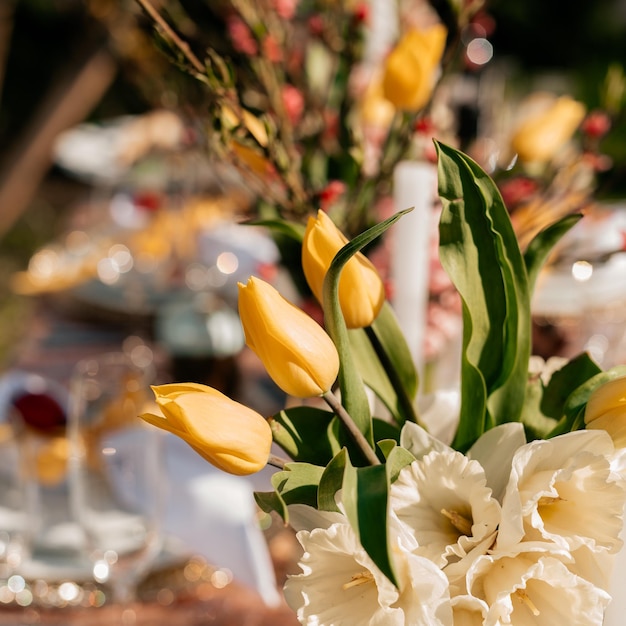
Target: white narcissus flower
{"points": [[341, 586], [444, 503], [535, 589], [468, 610], [562, 490]]}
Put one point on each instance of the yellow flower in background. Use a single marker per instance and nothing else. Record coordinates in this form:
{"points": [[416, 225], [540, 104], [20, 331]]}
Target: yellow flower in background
{"points": [[606, 410], [374, 108], [411, 67], [296, 351], [51, 460], [540, 136], [361, 290], [227, 434]]}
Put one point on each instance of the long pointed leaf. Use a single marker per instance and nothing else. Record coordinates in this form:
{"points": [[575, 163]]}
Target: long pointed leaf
{"points": [[542, 244], [353, 395], [365, 497], [480, 253]]}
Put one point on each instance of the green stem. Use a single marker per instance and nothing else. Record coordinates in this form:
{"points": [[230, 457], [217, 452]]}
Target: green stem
{"points": [[352, 428], [408, 410], [276, 461]]}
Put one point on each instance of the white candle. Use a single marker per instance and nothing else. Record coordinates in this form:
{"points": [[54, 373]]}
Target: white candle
{"points": [[383, 29], [414, 185]]}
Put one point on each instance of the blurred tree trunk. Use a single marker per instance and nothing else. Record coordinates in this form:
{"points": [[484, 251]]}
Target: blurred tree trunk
{"points": [[7, 13], [68, 103]]}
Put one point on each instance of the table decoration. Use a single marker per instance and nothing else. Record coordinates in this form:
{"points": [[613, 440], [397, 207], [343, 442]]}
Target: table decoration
{"points": [[116, 472], [513, 519], [311, 101]]}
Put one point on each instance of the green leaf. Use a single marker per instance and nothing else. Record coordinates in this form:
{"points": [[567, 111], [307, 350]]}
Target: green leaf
{"points": [[296, 484], [545, 404], [565, 381], [574, 408], [302, 432], [384, 430], [372, 372], [270, 501], [480, 252], [542, 244], [353, 395], [537, 425], [293, 230], [331, 482], [365, 497], [397, 458], [385, 364], [390, 336]]}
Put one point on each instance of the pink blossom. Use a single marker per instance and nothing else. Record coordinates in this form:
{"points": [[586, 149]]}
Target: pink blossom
{"points": [[286, 8], [241, 36], [293, 101], [272, 49], [596, 124], [362, 12], [316, 24], [517, 190], [330, 193]]}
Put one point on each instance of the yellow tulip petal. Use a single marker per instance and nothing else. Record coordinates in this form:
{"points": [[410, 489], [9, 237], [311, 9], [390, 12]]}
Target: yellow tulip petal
{"points": [[226, 433], [361, 290], [614, 422], [296, 352], [411, 67], [611, 395]]}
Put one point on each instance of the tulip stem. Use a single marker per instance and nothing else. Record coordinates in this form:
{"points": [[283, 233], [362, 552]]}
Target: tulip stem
{"points": [[276, 461], [357, 436]]}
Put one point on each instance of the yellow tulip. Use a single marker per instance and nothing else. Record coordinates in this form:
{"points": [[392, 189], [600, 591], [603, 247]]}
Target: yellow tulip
{"points": [[411, 67], [375, 109], [538, 138], [606, 410], [229, 435], [361, 290], [296, 351]]}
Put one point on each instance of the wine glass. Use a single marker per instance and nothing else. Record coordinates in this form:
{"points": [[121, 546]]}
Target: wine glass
{"points": [[116, 475], [16, 503]]}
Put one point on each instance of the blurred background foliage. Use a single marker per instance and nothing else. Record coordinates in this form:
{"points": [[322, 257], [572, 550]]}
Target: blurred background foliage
{"points": [[43, 41]]}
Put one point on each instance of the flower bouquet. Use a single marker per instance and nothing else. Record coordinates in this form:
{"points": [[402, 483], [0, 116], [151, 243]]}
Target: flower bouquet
{"points": [[514, 519]]}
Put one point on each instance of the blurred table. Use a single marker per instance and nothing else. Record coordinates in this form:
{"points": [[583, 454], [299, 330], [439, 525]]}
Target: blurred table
{"points": [[58, 338]]}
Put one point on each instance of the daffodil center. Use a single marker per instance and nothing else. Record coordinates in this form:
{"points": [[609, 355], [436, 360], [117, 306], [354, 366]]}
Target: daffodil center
{"points": [[549, 500], [358, 579], [462, 524], [524, 599]]}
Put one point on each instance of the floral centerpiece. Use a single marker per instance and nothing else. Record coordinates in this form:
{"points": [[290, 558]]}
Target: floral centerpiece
{"points": [[513, 519], [300, 99]]}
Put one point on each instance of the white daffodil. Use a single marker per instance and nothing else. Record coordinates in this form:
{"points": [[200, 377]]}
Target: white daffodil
{"points": [[444, 503], [304, 517], [562, 490], [340, 585], [468, 610], [596, 566], [420, 442], [534, 589], [494, 450]]}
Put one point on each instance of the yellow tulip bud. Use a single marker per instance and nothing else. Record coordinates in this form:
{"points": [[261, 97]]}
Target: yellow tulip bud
{"points": [[411, 67], [543, 134], [227, 434], [374, 108], [606, 410], [361, 290], [296, 351]]}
